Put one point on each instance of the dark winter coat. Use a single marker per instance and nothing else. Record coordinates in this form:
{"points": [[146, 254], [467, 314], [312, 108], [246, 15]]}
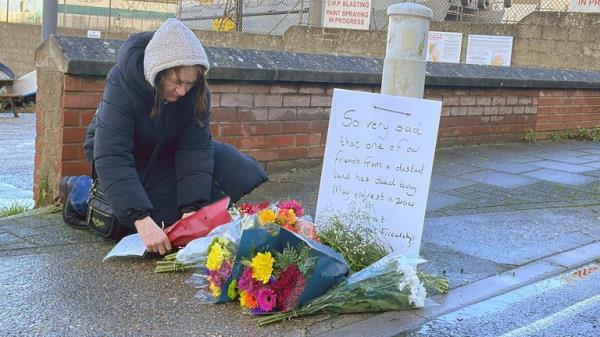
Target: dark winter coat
{"points": [[182, 178]]}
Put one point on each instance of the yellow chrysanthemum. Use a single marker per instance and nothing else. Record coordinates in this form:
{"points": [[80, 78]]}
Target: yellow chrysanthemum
{"points": [[266, 216], [262, 267], [215, 257], [247, 300], [292, 216], [216, 291]]}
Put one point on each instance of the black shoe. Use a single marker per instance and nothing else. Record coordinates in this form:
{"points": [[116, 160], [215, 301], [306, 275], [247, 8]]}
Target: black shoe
{"points": [[69, 214], [72, 218], [65, 186]]}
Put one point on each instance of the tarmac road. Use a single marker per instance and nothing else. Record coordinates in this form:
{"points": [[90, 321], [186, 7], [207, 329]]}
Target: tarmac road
{"points": [[564, 305]]}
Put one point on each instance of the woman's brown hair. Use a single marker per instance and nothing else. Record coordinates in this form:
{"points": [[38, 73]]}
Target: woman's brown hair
{"points": [[200, 99]]}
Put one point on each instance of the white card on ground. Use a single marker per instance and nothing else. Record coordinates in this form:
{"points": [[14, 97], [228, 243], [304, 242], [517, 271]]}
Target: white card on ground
{"points": [[131, 246], [380, 150]]}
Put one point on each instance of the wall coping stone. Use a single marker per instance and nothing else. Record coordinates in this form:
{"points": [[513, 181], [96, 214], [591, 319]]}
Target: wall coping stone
{"points": [[94, 57]]}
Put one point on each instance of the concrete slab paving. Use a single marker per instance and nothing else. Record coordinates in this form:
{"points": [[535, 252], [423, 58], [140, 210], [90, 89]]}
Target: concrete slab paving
{"points": [[565, 156], [561, 166], [452, 168], [594, 164], [498, 179], [513, 238], [437, 200], [460, 268], [560, 177], [441, 183], [592, 150], [505, 166]]}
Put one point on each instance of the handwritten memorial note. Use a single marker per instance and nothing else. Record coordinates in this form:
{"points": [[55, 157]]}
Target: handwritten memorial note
{"points": [[380, 149]]}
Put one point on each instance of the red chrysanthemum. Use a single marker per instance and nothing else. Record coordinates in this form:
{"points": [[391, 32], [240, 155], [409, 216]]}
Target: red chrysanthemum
{"points": [[294, 298], [285, 284], [249, 209]]}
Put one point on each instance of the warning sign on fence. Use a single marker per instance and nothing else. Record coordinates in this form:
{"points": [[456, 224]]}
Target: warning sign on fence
{"points": [[589, 6], [347, 14]]}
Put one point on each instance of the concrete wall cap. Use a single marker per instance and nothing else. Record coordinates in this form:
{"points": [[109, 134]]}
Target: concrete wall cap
{"points": [[94, 57]]}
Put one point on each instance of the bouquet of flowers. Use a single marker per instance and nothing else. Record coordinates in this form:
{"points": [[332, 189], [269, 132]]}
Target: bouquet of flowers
{"points": [[194, 254], [277, 270], [381, 281], [287, 215], [284, 213], [219, 264], [271, 282], [389, 284]]}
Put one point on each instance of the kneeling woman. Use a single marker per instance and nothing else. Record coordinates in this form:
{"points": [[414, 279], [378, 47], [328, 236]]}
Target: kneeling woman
{"points": [[156, 96]]}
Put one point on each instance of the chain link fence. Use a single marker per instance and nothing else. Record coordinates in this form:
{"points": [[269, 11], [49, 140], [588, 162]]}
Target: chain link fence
{"points": [[256, 16], [108, 15]]}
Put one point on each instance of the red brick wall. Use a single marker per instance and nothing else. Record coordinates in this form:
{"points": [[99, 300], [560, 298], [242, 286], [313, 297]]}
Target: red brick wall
{"points": [[281, 122], [475, 115], [272, 122], [567, 109], [79, 102]]}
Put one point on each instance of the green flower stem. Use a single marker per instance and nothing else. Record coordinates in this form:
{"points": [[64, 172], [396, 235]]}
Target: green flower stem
{"points": [[170, 264], [376, 294], [434, 284]]}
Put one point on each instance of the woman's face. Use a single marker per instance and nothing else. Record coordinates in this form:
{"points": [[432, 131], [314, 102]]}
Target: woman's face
{"points": [[177, 82]]}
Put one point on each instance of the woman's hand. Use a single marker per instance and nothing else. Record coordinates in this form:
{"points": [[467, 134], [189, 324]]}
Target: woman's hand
{"points": [[185, 215], [154, 238]]}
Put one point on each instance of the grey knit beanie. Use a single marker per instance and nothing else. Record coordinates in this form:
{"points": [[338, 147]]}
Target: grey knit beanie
{"points": [[172, 45]]}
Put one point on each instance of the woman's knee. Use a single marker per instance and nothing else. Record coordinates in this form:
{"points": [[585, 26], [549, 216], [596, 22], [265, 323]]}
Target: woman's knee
{"points": [[235, 172]]}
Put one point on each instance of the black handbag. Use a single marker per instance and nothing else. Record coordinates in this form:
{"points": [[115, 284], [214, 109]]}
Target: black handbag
{"points": [[100, 218]]}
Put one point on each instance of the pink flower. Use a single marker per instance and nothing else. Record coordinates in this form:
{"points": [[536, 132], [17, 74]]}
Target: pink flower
{"points": [[225, 270], [266, 299], [247, 283], [291, 204], [214, 278], [245, 280]]}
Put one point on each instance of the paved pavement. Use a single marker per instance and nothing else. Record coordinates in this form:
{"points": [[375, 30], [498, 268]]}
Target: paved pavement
{"points": [[498, 216], [17, 137]]}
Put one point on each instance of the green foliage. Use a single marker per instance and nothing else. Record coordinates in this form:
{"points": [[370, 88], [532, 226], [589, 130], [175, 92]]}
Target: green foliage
{"points": [[577, 134], [555, 136], [300, 257], [14, 209], [530, 136], [359, 245]]}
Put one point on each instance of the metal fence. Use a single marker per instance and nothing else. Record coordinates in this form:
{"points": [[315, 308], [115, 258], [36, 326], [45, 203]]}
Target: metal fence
{"points": [[275, 16], [256, 16], [112, 15]]}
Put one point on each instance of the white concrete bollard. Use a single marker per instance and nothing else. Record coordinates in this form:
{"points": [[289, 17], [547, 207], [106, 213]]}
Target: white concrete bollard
{"points": [[404, 63]]}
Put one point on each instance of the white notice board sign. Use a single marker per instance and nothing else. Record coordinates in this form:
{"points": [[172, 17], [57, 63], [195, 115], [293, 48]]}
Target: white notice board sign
{"points": [[444, 47], [348, 14], [380, 149], [588, 6], [489, 49], [94, 34]]}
